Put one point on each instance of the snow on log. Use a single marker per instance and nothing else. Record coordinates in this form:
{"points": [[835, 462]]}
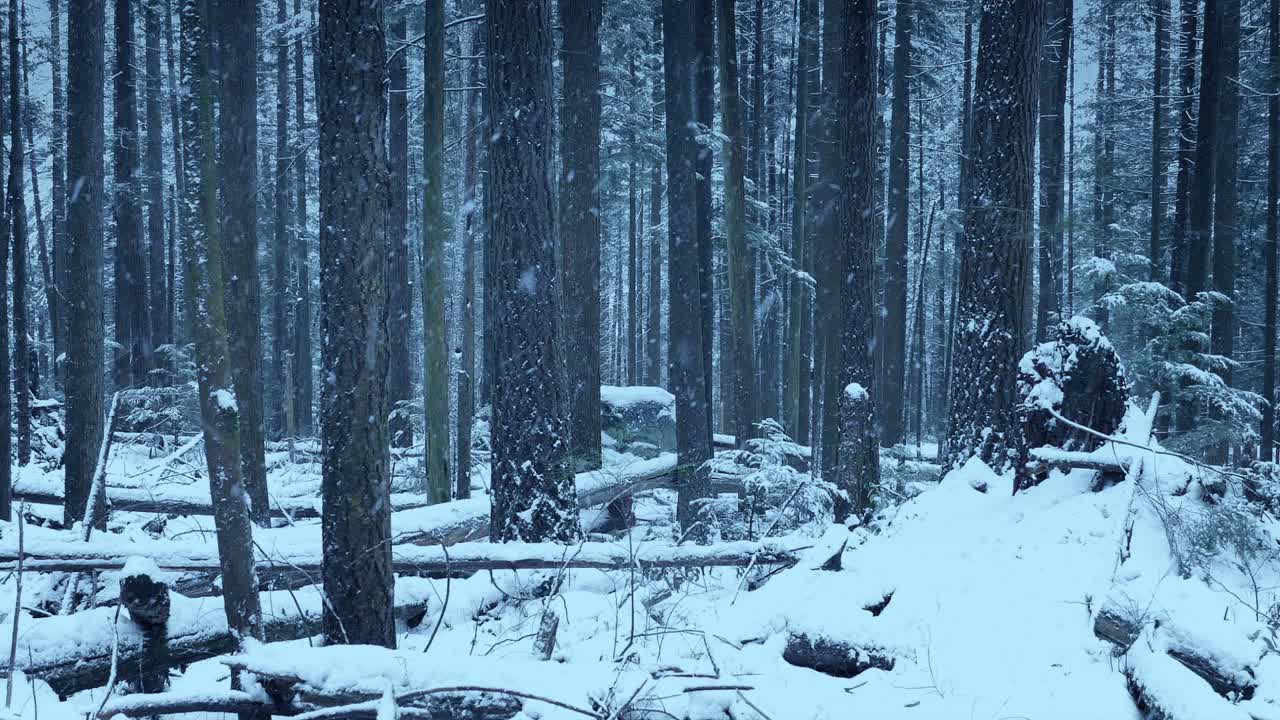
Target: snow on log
{"points": [[444, 706], [414, 559], [1163, 689], [145, 594], [73, 652], [1227, 673], [833, 657]]}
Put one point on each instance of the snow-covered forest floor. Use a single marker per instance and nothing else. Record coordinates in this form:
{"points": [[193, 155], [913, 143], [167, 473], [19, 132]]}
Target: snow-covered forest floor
{"points": [[960, 600]]}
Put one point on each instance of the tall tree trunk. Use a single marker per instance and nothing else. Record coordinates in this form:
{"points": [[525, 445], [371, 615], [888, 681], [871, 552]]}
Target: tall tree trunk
{"points": [[42, 236], [1161, 12], [400, 314], [1271, 249], [829, 248], [1104, 163], [203, 253], [653, 330], [580, 224], [17, 212], [58, 201], [634, 221], [1187, 131], [1052, 105], [895, 271], [183, 334], [238, 133], [741, 395], [989, 325], [154, 165], [704, 113], [133, 329], [1226, 195], [855, 110], [303, 388], [470, 219], [84, 381], [796, 370], [685, 335], [282, 420], [533, 491], [351, 72], [435, 335]]}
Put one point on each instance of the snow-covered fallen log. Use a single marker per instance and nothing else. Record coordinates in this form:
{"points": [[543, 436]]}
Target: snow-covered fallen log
{"points": [[1226, 673], [464, 557], [833, 657], [73, 652], [436, 706], [1164, 690]]}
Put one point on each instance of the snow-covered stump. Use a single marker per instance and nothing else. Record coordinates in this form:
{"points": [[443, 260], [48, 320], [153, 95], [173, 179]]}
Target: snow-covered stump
{"points": [[833, 657], [1077, 375], [639, 414], [145, 594]]}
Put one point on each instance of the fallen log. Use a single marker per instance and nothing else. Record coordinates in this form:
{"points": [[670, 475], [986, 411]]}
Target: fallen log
{"points": [[145, 595], [74, 652], [464, 557], [441, 706], [1164, 690], [832, 657], [1228, 677]]}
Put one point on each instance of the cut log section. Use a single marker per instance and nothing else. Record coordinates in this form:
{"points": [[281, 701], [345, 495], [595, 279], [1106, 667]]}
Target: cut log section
{"points": [[832, 657]]}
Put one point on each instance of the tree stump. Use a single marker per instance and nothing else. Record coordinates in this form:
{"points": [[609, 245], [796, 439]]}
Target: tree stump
{"points": [[146, 597], [1078, 375]]}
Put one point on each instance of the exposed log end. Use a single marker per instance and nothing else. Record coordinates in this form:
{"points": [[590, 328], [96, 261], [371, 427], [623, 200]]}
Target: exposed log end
{"points": [[835, 658]]}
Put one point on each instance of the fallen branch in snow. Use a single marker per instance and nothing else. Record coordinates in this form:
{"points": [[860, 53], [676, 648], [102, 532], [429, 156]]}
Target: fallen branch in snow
{"points": [[832, 657], [461, 705]]}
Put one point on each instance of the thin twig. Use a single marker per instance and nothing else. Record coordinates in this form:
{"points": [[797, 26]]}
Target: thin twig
{"points": [[17, 613], [448, 584]]}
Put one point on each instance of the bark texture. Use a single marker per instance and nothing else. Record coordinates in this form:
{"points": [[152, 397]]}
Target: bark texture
{"points": [[436, 379]]}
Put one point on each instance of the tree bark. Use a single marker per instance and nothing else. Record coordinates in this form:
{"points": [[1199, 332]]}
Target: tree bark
{"points": [[435, 336], [704, 114], [1052, 106], [740, 353], [1271, 247], [238, 162], [895, 271], [470, 172], [84, 382], [859, 450], [133, 330], [990, 331], [688, 378], [351, 71], [653, 332], [1188, 9], [283, 422], [58, 201], [579, 224], [158, 291], [183, 333], [1157, 252], [23, 385], [828, 248], [400, 314], [301, 372], [203, 252], [533, 488], [1226, 230]]}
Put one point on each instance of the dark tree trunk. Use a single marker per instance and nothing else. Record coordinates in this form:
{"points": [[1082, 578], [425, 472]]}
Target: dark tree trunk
{"points": [[400, 314], [58, 201], [895, 270], [828, 247], [203, 253], [435, 336], [283, 423], [1161, 12], [1226, 199], [351, 72], [133, 330], [470, 221], [990, 332], [653, 332], [634, 225], [685, 339], [303, 388], [1052, 105], [533, 491], [704, 113], [1271, 249], [84, 384], [580, 225], [1186, 146], [23, 384], [179, 334], [855, 110], [42, 368], [739, 354], [238, 162], [158, 290]]}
